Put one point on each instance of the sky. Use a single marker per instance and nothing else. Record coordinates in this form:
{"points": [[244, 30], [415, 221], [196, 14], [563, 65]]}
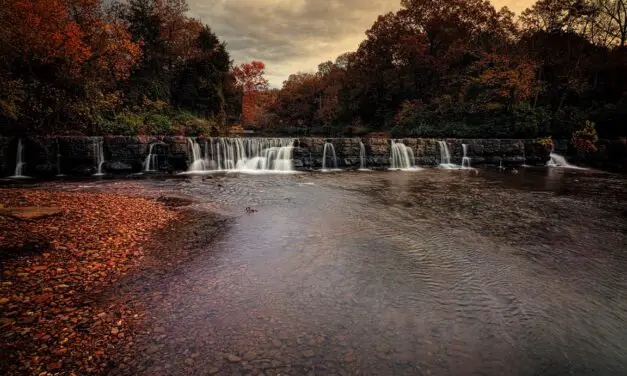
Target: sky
{"points": [[292, 36]]}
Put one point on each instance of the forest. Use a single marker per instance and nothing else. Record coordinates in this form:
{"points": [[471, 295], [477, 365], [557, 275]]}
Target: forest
{"points": [[455, 68]]}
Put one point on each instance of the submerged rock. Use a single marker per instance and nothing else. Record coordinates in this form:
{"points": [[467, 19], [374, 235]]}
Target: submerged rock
{"points": [[30, 212]]}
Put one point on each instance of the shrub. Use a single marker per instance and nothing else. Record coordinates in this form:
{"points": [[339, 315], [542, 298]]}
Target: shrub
{"points": [[158, 124], [124, 123], [585, 138], [547, 142]]}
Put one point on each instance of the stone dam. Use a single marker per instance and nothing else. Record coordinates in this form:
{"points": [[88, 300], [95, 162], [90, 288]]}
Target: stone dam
{"points": [[77, 155]]}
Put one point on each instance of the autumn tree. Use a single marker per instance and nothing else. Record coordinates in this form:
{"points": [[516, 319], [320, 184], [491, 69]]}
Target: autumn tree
{"points": [[250, 83], [62, 61], [249, 76]]}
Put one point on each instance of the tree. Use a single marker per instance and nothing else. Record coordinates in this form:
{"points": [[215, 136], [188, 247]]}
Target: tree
{"points": [[611, 22], [249, 76]]}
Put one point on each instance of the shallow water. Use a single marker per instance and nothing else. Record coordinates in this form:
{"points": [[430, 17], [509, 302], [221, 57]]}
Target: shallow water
{"points": [[433, 272]]}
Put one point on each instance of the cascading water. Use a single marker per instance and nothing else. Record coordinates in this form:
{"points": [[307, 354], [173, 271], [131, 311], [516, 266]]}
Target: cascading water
{"points": [[465, 159], [251, 155], [99, 155], [402, 157], [150, 163], [524, 159], [445, 155], [362, 157], [59, 174], [559, 161], [198, 164], [19, 161], [328, 146]]}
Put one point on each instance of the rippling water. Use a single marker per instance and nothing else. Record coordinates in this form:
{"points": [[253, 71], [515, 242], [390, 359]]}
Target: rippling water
{"points": [[432, 272]]}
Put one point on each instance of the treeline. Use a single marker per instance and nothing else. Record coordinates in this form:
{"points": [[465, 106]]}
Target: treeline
{"points": [[460, 68], [96, 67]]}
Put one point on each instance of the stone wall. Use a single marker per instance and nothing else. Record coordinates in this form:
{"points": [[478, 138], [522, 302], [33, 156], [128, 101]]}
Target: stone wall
{"points": [[48, 156]]}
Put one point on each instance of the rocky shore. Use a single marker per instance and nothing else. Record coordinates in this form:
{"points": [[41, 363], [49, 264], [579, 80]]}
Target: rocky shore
{"points": [[57, 313]]}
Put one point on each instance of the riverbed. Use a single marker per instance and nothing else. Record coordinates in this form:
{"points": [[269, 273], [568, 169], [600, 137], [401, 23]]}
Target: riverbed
{"points": [[431, 272]]}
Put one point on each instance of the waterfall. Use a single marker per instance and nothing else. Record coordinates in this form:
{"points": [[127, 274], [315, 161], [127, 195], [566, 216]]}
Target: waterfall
{"points": [[465, 159], [524, 158], [59, 174], [19, 161], [150, 163], [99, 155], [328, 146], [198, 164], [445, 155], [559, 161], [362, 156], [248, 155], [402, 157]]}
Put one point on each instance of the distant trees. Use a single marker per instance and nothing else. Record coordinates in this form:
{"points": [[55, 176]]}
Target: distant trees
{"points": [[433, 68], [462, 68]]}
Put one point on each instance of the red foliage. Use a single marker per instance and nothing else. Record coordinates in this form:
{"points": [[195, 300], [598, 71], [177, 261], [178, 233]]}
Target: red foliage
{"points": [[45, 31], [249, 76]]}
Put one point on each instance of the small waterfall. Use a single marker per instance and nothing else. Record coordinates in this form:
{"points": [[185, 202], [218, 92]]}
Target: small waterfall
{"points": [[99, 155], [198, 164], [250, 155], [524, 158], [465, 159], [402, 156], [283, 160], [19, 161], [445, 155], [207, 158], [559, 161], [150, 163], [362, 156], [59, 174], [328, 146]]}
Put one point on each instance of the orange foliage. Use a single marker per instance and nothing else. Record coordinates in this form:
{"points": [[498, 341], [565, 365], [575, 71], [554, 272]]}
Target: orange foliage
{"points": [[116, 52], [506, 77], [71, 31], [45, 31]]}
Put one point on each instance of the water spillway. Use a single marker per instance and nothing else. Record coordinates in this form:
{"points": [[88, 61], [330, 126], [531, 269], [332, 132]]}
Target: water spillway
{"points": [[99, 155], [465, 159], [445, 155], [242, 155], [150, 163], [19, 161], [202, 155], [557, 160], [401, 156], [328, 146], [362, 156]]}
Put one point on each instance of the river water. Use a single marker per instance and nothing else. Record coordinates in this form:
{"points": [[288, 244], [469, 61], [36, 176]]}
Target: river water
{"points": [[433, 272]]}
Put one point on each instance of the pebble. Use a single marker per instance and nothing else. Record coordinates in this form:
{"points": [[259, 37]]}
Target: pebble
{"points": [[233, 358]]}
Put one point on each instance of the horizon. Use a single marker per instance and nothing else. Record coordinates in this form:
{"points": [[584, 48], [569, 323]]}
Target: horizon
{"points": [[292, 36]]}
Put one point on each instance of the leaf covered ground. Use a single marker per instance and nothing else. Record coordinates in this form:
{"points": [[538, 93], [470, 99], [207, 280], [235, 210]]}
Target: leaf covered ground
{"points": [[55, 270]]}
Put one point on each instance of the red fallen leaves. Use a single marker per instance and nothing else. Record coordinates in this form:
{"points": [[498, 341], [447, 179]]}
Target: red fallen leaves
{"points": [[57, 266]]}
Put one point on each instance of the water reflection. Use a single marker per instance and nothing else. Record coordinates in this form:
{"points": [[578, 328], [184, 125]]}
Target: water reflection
{"points": [[434, 272]]}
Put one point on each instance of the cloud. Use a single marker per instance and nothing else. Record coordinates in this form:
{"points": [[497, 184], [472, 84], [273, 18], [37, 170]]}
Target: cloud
{"points": [[295, 35]]}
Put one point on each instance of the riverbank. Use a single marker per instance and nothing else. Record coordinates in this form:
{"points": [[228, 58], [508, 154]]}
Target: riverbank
{"points": [[57, 271]]}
